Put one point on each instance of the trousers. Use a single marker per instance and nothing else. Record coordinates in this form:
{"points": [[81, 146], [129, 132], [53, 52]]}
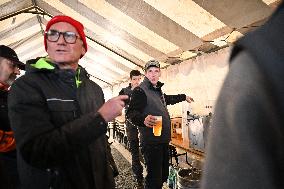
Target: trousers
{"points": [[132, 135], [157, 164]]}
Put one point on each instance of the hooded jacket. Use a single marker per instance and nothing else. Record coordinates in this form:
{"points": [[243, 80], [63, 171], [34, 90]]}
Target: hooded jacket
{"points": [[61, 139]]}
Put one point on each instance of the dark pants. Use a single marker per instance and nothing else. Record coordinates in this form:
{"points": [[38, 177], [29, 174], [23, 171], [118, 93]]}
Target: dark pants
{"points": [[9, 177], [136, 164], [157, 164], [132, 135]]}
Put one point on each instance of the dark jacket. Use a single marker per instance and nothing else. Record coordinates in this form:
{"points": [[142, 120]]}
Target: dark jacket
{"points": [[148, 100], [131, 130], [60, 138], [4, 120], [8, 162], [126, 91]]}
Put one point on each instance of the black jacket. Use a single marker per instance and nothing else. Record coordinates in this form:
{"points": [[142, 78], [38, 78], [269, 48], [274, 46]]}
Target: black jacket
{"points": [[148, 100], [4, 120], [131, 130], [60, 138], [8, 161], [126, 91]]}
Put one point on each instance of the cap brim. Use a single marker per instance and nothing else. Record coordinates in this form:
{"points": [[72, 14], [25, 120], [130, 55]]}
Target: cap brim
{"points": [[20, 65], [150, 67]]}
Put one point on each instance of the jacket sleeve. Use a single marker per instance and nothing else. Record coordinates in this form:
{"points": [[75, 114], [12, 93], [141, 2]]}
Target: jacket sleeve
{"points": [[121, 92], [137, 104], [39, 141], [173, 99]]}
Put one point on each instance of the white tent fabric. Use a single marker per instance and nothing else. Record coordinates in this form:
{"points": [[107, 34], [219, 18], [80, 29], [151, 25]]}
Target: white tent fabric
{"points": [[191, 38], [124, 34], [200, 78]]}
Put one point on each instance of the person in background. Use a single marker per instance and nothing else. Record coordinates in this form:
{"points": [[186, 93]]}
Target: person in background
{"points": [[9, 69], [148, 101], [132, 131], [247, 140], [60, 117]]}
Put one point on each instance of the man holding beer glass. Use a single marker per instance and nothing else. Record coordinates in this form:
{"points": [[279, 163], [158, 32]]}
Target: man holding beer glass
{"points": [[148, 108]]}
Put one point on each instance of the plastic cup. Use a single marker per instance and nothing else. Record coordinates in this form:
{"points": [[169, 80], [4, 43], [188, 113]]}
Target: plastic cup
{"points": [[157, 129]]}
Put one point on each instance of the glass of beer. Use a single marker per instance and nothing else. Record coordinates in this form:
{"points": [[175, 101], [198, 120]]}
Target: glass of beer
{"points": [[157, 129]]}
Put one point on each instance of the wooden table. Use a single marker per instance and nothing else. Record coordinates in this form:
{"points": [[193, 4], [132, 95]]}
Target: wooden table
{"points": [[184, 146]]}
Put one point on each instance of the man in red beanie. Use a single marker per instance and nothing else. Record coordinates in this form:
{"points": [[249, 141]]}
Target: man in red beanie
{"points": [[59, 116], [79, 27]]}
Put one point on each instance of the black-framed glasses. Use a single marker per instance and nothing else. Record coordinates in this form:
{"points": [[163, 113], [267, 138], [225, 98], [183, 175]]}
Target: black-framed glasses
{"points": [[69, 37]]}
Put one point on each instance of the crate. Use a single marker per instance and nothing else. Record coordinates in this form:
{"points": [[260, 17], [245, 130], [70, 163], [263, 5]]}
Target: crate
{"points": [[176, 128]]}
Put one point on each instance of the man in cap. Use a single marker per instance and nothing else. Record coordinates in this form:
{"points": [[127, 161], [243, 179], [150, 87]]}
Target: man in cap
{"points": [[59, 116], [132, 132], [148, 101], [9, 69]]}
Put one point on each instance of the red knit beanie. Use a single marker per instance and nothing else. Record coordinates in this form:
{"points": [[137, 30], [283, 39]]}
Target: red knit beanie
{"points": [[62, 18]]}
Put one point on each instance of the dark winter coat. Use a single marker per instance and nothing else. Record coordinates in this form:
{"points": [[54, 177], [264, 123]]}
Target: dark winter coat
{"points": [[8, 160], [131, 130], [61, 140], [126, 91], [4, 120]]}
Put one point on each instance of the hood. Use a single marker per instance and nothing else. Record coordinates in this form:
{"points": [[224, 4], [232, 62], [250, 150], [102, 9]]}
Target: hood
{"points": [[43, 64], [39, 64]]}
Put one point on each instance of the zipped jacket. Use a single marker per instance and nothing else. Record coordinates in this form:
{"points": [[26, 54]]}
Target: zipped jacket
{"points": [[60, 137]]}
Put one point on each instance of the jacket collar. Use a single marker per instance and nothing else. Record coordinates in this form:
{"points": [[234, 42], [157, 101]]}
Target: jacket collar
{"points": [[150, 85], [4, 87], [42, 64]]}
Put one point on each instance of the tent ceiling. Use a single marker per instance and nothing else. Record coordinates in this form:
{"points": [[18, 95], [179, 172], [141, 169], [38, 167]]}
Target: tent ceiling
{"points": [[124, 34]]}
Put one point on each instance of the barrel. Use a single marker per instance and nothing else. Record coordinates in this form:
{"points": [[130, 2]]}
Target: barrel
{"points": [[188, 178]]}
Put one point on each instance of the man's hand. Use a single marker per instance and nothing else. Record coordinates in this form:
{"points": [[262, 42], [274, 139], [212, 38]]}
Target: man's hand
{"points": [[150, 121], [189, 99], [113, 107]]}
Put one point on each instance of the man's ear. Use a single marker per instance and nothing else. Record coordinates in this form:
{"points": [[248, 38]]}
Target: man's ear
{"points": [[83, 52]]}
